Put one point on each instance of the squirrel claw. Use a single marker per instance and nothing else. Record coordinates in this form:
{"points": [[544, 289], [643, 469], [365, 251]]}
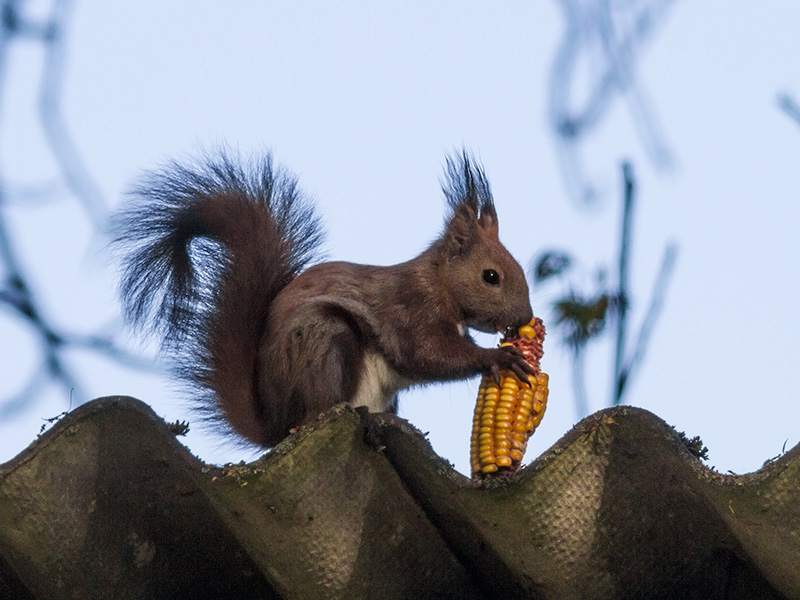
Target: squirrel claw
{"points": [[496, 375], [522, 373], [518, 365]]}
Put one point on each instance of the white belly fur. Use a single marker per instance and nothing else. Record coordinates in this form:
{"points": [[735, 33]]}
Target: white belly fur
{"points": [[379, 384]]}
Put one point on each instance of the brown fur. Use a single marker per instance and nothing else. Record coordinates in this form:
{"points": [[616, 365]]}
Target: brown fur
{"points": [[275, 344]]}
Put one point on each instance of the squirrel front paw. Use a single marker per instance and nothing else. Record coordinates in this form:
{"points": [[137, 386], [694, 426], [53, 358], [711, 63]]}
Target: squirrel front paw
{"points": [[509, 358]]}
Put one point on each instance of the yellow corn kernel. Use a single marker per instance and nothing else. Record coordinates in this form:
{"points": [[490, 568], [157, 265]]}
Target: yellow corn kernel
{"points": [[507, 414]]}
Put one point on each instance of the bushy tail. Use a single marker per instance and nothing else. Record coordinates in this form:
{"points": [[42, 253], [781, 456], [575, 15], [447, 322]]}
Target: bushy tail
{"points": [[205, 248]]}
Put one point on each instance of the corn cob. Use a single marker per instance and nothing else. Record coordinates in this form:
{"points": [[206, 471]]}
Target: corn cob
{"points": [[506, 415]]}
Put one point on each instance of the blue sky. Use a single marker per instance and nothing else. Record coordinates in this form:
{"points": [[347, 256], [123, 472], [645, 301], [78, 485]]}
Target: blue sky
{"points": [[362, 101]]}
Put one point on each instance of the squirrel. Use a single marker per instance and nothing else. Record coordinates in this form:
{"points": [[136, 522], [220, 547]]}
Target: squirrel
{"points": [[215, 259]]}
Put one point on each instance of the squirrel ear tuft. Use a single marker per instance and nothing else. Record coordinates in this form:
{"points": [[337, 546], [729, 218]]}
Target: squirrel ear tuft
{"points": [[465, 186]]}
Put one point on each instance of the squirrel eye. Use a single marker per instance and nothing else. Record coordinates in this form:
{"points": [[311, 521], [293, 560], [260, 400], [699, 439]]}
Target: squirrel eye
{"points": [[491, 277]]}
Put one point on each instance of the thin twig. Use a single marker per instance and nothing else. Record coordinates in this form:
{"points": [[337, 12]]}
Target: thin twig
{"points": [[622, 290], [20, 298], [620, 59], [32, 195], [586, 25], [788, 105], [61, 373], [66, 153], [109, 347], [651, 316], [579, 382], [15, 25]]}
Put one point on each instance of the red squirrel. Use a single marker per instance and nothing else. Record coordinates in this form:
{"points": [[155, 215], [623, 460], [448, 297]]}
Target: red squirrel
{"points": [[215, 256]]}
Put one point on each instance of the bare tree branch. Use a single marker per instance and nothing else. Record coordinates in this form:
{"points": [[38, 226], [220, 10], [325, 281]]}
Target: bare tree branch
{"points": [[788, 105], [31, 195], [16, 25], [15, 292], [579, 382], [66, 153], [581, 317], [653, 312], [107, 346], [19, 296], [612, 34], [621, 62], [622, 291]]}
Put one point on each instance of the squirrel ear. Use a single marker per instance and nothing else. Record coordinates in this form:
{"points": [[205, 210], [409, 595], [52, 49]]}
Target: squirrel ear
{"points": [[488, 219], [461, 231]]}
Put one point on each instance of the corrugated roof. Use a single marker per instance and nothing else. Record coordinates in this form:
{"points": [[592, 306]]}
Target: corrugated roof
{"points": [[108, 504]]}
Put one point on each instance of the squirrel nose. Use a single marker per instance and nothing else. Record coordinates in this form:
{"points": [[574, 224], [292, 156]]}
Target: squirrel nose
{"points": [[525, 318], [512, 325]]}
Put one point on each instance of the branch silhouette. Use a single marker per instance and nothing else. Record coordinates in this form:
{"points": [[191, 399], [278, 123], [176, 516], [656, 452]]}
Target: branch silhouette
{"points": [[790, 107], [581, 318], [626, 364], [609, 36], [16, 293]]}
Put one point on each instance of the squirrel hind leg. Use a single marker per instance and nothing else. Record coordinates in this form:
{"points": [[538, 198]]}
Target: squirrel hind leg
{"points": [[310, 368]]}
